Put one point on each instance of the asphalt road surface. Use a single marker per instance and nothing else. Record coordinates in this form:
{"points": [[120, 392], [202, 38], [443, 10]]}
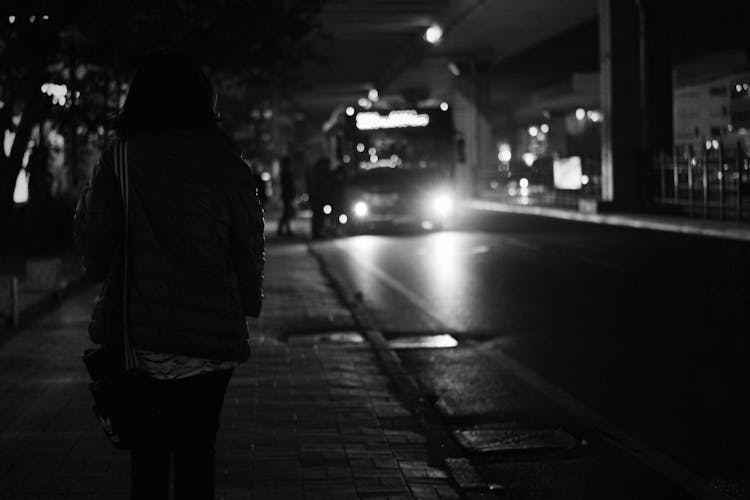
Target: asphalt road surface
{"points": [[642, 334]]}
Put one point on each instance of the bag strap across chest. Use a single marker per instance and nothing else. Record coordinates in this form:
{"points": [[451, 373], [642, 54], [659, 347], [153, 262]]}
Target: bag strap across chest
{"points": [[122, 174]]}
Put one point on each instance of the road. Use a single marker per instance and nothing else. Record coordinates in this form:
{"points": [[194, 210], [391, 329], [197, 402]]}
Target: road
{"points": [[642, 335]]}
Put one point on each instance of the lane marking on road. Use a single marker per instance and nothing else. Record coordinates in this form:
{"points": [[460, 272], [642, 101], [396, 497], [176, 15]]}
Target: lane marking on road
{"points": [[394, 284], [678, 474]]}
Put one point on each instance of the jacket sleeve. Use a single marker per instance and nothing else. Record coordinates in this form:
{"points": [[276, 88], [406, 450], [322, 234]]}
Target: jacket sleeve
{"points": [[98, 220], [246, 246]]}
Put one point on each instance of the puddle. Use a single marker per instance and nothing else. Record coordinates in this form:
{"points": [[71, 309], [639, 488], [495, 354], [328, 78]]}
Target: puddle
{"points": [[424, 342], [498, 440], [327, 338]]}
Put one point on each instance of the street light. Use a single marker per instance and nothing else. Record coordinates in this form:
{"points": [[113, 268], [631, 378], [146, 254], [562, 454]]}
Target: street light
{"points": [[364, 102], [433, 34]]}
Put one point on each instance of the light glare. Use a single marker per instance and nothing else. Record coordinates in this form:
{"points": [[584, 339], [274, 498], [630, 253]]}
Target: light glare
{"points": [[360, 209], [433, 34], [442, 204], [504, 153], [21, 191], [394, 119]]}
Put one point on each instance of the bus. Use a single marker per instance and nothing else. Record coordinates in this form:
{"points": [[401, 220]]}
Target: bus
{"points": [[393, 168]]}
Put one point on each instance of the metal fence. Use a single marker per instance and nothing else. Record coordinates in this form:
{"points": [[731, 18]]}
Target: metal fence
{"points": [[713, 183]]}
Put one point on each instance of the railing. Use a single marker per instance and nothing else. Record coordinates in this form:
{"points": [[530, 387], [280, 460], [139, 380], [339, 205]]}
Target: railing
{"points": [[714, 183]]}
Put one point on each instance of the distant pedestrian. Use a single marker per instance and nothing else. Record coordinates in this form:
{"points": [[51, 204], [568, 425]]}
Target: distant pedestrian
{"points": [[288, 194], [319, 179], [195, 254]]}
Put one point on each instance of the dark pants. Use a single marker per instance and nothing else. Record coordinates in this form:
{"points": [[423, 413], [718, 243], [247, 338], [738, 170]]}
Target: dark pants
{"points": [[178, 420]]}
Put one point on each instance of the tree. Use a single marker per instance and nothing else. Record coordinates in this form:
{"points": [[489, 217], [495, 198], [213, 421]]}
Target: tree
{"points": [[89, 44]]}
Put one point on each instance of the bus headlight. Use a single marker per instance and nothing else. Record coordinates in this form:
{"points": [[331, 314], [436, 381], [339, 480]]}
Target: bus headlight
{"points": [[442, 204], [360, 209]]}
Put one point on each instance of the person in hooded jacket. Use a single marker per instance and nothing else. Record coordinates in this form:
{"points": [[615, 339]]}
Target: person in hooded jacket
{"points": [[195, 262]]}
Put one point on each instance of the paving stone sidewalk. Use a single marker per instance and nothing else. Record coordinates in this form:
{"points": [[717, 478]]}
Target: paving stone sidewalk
{"points": [[310, 416]]}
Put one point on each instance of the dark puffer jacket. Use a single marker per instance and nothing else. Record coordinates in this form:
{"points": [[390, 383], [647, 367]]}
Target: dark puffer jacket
{"points": [[195, 246]]}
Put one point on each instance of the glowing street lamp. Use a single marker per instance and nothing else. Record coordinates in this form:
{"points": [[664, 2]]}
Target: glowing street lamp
{"points": [[364, 102], [433, 34]]}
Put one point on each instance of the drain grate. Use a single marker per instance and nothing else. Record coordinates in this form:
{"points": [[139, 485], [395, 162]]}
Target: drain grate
{"points": [[500, 440], [464, 474], [327, 338], [424, 342]]}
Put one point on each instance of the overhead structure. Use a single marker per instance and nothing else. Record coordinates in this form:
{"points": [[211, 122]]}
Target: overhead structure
{"points": [[594, 80]]}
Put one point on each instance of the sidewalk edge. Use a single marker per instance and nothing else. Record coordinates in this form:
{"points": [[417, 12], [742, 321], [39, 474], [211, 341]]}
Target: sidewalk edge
{"points": [[622, 220], [406, 386]]}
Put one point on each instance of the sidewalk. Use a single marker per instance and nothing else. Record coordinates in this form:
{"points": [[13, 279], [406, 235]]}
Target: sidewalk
{"points": [[310, 416], [50, 281], [684, 225]]}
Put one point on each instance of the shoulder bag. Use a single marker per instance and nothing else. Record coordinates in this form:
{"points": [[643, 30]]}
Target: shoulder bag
{"points": [[110, 367]]}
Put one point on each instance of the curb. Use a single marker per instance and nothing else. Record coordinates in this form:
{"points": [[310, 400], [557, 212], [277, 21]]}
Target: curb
{"points": [[717, 229], [439, 440]]}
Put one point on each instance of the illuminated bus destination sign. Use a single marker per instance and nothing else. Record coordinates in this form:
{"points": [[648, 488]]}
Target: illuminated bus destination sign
{"points": [[395, 119]]}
